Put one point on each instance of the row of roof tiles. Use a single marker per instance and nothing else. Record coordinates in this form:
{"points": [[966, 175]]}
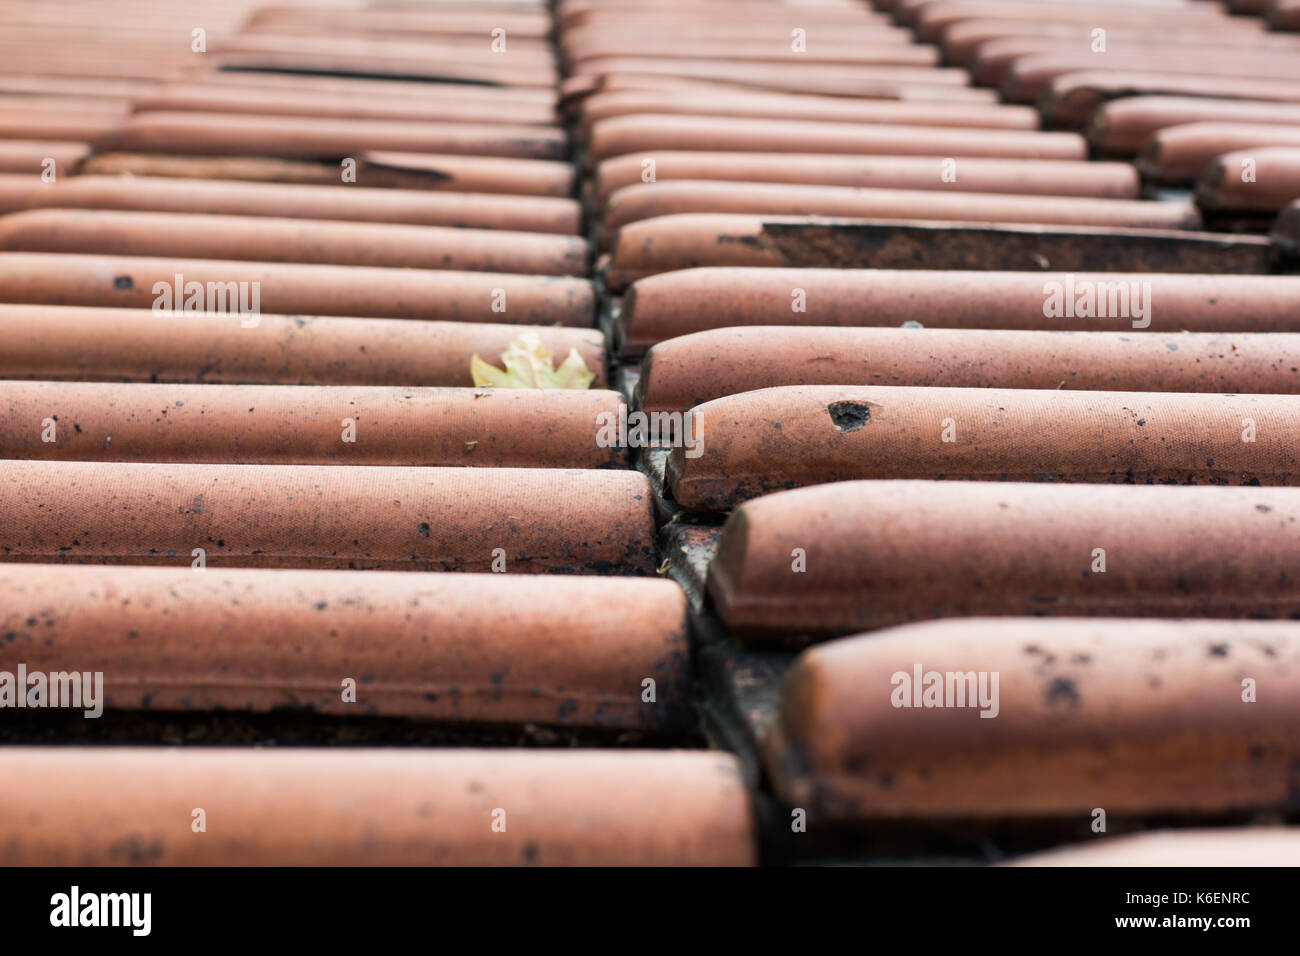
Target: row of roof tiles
{"points": [[751, 161], [416, 267]]}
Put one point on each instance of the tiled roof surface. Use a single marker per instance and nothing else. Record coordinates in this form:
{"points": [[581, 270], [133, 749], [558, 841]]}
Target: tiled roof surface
{"points": [[868, 534]]}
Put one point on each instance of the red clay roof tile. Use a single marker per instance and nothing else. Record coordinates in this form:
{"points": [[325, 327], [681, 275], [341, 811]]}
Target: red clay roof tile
{"points": [[793, 436], [1255, 180], [880, 553], [758, 104], [241, 134], [294, 288], [528, 521], [643, 201], [1025, 177], [29, 156], [1178, 154], [619, 135], [682, 372], [688, 240], [694, 300], [143, 345], [427, 646], [204, 97], [1132, 716], [316, 807], [1029, 77], [293, 201], [962, 40], [292, 425], [1122, 126], [1074, 98], [262, 239]]}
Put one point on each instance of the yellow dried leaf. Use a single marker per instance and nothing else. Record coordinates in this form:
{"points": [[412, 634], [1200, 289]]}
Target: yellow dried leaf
{"points": [[485, 374], [528, 364], [573, 372]]}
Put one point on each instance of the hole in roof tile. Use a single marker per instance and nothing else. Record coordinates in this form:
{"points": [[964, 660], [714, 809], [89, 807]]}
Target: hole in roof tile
{"points": [[849, 416]]}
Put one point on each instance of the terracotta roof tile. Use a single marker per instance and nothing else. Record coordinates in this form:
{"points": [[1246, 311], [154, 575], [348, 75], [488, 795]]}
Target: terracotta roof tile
{"points": [[1025, 66], [474, 178], [421, 646], [880, 89], [50, 86], [313, 807], [963, 40], [773, 439], [1124, 715], [1274, 180], [1121, 126], [1027, 78], [293, 288], [931, 17], [291, 425], [682, 372], [833, 80], [758, 104], [880, 553], [849, 44], [43, 123], [293, 201], [28, 156], [237, 134], [686, 240], [618, 135], [667, 305], [527, 61], [419, 65], [215, 98], [261, 239], [411, 93], [143, 345], [875, 49], [468, 20], [1074, 98], [1178, 154], [642, 201], [977, 174], [320, 516]]}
